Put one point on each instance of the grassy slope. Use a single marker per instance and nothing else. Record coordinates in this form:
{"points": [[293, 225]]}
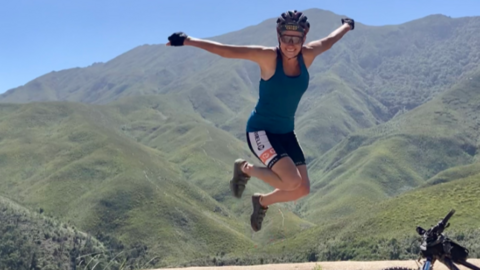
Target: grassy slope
{"points": [[426, 206], [387, 230], [204, 154], [370, 199], [375, 164], [30, 240], [378, 184], [65, 159], [409, 64], [365, 186], [93, 165]]}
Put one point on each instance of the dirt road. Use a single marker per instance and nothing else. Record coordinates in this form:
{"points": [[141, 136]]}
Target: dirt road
{"points": [[350, 265]]}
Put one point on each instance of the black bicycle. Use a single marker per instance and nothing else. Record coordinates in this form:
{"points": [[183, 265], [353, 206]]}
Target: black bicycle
{"points": [[435, 246]]}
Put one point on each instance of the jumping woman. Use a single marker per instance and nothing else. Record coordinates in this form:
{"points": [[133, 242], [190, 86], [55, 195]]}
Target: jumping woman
{"points": [[270, 131]]}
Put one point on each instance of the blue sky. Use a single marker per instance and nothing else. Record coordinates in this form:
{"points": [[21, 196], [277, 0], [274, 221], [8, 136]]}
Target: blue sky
{"points": [[37, 37]]}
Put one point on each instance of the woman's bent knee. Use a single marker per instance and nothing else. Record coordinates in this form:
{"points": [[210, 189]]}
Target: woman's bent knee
{"points": [[293, 183], [304, 190], [288, 173]]}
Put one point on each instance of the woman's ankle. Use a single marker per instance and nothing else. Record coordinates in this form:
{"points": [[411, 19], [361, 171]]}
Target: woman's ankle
{"points": [[261, 202], [246, 168]]}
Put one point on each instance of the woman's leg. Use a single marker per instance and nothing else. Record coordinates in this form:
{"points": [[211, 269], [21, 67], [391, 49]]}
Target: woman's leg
{"points": [[279, 195], [261, 202], [286, 171], [280, 173], [283, 174], [295, 152]]}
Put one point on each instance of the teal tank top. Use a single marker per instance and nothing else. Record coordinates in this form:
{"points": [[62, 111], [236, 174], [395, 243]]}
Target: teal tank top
{"points": [[278, 100]]}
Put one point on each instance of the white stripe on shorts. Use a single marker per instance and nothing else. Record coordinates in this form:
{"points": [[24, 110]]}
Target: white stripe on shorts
{"points": [[262, 147]]}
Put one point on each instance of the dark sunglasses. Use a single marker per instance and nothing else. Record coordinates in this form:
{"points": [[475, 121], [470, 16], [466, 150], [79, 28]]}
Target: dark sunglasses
{"points": [[294, 39]]}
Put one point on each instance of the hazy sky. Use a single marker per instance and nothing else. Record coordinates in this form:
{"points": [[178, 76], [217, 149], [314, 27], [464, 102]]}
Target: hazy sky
{"points": [[38, 36]]}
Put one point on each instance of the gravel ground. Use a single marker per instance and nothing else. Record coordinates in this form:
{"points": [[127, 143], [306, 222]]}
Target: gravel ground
{"points": [[344, 265]]}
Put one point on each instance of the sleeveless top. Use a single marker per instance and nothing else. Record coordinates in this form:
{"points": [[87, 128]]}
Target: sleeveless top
{"points": [[278, 100]]}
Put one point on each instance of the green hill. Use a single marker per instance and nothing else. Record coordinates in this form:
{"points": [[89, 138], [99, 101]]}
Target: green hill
{"points": [[92, 165], [30, 240], [366, 78], [378, 184], [371, 190], [386, 231], [65, 159], [375, 164], [203, 153]]}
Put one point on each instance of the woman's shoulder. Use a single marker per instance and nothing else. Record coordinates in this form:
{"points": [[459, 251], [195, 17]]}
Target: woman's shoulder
{"points": [[308, 56], [271, 51]]}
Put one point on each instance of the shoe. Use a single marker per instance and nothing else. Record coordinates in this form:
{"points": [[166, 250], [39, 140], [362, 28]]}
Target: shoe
{"points": [[239, 180], [258, 214]]}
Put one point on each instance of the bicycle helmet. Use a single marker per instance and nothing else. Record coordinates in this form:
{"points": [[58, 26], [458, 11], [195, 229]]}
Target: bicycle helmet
{"points": [[293, 20]]}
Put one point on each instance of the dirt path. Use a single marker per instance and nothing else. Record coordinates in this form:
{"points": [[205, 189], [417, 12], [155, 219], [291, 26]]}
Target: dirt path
{"points": [[347, 265]]}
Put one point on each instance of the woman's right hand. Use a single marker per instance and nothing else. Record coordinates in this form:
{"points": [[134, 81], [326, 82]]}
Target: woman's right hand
{"points": [[177, 39]]}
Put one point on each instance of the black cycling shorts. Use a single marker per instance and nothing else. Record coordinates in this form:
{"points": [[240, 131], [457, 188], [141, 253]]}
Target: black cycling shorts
{"points": [[270, 147]]}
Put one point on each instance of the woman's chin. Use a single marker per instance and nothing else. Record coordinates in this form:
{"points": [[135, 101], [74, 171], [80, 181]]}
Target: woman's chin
{"points": [[289, 54]]}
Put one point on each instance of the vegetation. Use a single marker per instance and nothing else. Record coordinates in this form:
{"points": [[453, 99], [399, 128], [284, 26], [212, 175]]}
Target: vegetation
{"points": [[30, 240], [387, 230], [65, 159]]}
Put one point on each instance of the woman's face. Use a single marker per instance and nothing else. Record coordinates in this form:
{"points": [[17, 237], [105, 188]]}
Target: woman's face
{"points": [[291, 43]]}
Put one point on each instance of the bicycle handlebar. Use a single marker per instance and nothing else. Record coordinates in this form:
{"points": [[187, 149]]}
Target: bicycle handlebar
{"points": [[442, 223]]}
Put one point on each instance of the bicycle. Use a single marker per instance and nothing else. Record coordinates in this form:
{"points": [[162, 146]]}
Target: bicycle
{"points": [[435, 246]]}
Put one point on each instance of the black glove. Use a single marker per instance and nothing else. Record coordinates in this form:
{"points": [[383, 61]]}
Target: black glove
{"points": [[350, 22], [177, 39]]}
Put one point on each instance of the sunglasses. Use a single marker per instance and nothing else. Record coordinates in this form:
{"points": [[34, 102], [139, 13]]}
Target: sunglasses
{"points": [[294, 39]]}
